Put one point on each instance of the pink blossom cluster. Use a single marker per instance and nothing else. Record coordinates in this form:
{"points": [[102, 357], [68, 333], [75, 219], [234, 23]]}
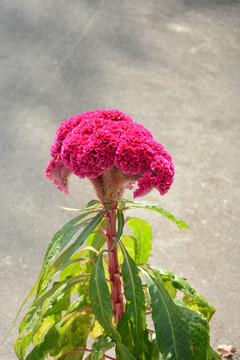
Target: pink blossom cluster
{"points": [[95, 141]]}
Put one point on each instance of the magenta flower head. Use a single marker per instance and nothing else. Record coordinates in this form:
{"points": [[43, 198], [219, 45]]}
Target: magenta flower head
{"points": [[108, 148]]}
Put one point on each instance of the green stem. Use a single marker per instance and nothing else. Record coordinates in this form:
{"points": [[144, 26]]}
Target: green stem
{"points": [[113, 266]]}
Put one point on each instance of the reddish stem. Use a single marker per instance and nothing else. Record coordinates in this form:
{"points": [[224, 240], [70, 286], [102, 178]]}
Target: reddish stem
{"points": [[113, 266]]}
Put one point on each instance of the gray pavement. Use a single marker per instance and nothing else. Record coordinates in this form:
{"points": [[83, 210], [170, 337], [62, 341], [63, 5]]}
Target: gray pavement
{"points": [[174, 67]]}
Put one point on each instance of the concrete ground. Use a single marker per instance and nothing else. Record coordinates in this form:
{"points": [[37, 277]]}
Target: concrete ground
{"points": [[174, 67]]}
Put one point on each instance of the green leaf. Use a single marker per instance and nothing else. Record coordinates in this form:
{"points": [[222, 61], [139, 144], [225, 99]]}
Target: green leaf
{"points": [[213, 355], [58, 242], [61, 238], [123, 329], [44, 347], [169, 286], [147, 346], [135, 300], [160, 210], [45, 325], [73, 335], [33, 290], [142, 232], [63, 260], [155, 354], [89, 357], [73, 355], [21, 345], [199, 330], [72, 267], [58, 304], [95, 243], [93, 204], [100, 299], [75, 306], [192, 298], [123, 353], [100, 345], [96, 239], [34, 317], [89, 228], [129, 244], [173, 338], [96, 329], [120, 219]]}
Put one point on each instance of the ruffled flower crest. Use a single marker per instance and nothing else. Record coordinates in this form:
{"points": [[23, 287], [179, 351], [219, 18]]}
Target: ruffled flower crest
{"points": [[111, 150]]}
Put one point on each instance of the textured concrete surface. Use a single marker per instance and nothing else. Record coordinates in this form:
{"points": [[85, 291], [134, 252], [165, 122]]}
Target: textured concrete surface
{"points": [[174, 67]]}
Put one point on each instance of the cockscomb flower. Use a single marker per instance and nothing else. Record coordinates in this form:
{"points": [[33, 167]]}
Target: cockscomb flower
{"points": [[108, 148]]}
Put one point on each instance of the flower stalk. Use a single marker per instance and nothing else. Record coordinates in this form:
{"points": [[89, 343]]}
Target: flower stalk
{"points": [[113, 265]]}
